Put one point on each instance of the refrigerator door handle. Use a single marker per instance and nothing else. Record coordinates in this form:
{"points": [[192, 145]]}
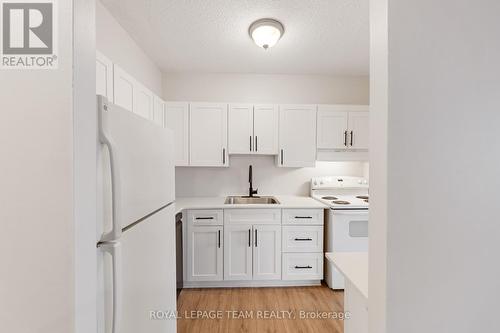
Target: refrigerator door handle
{"points": [[116, 229], [114, 249]]}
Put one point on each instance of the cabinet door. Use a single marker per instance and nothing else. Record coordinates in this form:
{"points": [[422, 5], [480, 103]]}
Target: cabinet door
{"points": [[158, 111], [359, 130], [265, 119], [124, 87], [267, 252], [332, 128], [143, 101], [240, 129], [297, 136], [238, 252], [104, 76], [208, 134], [205, 253], [177, 119]]}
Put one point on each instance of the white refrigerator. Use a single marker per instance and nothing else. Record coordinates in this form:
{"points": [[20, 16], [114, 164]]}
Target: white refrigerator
{"points": [[136, 224]]}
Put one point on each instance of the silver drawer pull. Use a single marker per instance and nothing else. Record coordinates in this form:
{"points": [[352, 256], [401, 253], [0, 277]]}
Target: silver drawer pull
{"points": [[303, 217], [204, 218], [303, 267], [303, 239]]}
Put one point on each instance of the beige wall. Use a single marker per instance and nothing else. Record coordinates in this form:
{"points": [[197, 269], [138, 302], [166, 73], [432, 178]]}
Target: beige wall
{"points": [[36, 193], [268, 178], [115, 43], [378, 166], [441, 165], [255, 88]]}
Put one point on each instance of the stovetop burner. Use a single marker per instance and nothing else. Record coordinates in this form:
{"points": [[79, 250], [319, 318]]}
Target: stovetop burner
{"points": [[341, 202], [364, 197], [329, 198]]}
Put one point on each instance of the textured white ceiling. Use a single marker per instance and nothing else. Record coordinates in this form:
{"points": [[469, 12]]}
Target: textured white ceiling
{"points": [[328, 37]]}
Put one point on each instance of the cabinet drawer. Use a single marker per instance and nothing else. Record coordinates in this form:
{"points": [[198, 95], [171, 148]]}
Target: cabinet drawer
{"points": [[302, 266], [252, 216], [302, 238], [303, 216], [205, 217]]}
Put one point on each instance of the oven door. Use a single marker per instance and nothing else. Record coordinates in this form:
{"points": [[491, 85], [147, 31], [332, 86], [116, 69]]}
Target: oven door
{"points": [[349, 230]]}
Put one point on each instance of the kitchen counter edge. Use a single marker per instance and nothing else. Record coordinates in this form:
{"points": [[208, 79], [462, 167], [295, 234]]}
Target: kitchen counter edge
{"points": [[298, 202]]}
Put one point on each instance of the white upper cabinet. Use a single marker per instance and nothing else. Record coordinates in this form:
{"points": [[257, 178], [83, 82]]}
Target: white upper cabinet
{"points": [[208, 134], [124, 88], [265, 129], [158, 111], [359, 130], [253, 129], [177, 119], [342, 127], [132, 95], [144, 100], [240, 129], [332, 128], [297, 136], [104, 76]]}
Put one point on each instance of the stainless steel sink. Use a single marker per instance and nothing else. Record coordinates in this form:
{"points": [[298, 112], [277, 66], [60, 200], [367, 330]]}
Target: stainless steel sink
{"points": [[235, 200]]}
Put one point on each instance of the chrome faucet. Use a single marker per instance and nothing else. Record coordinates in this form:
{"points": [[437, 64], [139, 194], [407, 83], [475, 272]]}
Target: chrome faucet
{"points": [[251, 191]]}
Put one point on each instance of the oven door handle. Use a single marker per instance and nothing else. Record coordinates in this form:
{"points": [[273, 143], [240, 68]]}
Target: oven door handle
{"points": [[349, 211]]}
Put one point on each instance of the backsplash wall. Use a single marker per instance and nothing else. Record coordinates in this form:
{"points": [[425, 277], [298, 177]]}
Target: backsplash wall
{"points": [[269, 179]]}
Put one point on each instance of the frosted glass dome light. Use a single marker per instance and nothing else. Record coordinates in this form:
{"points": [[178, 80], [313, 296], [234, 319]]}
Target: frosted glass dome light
{"points": [[266, 32]]}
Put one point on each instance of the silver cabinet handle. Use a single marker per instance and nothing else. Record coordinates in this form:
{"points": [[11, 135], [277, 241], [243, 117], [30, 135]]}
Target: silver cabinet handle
{"points": [[352, 137], [250, 143], [114, 249], [249, 237], [303, 267], [303, 239], [223, 156], [256, 144], [345, 138], [255, 237], [281, 156]]}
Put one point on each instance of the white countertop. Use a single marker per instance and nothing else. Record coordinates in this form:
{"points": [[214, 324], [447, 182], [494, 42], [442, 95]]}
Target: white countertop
{"points": [[285, 201], [354, 267]]}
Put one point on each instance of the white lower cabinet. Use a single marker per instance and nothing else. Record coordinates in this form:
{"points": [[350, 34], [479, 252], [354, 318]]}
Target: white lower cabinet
{"points": [[302, 238], [302, 266], [238, 252], [254, 247], [267, 252], [205, 253], [303, 244], [252, 251], [205, 245]]}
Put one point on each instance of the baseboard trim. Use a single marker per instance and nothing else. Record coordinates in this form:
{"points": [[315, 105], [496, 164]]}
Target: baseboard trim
{"points": [[250, 284]]}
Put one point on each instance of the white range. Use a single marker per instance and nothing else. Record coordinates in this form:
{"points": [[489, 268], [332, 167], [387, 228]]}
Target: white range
{"points": [[346, 228]]}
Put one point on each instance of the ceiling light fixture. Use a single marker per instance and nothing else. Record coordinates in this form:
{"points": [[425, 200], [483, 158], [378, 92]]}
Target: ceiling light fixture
{"points": [[266, 32]]}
